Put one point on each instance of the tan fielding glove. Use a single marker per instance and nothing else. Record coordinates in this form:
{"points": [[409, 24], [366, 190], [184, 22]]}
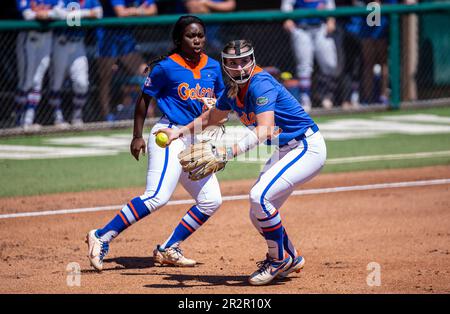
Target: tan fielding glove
{"points": [[202, 159]]}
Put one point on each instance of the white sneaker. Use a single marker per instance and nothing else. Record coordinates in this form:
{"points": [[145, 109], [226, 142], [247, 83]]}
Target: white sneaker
{"points": [[62, 125], [171, 256], [28, 117], [97, 249], [32, 127], [297, 265], [77, 122], [327, 103], [268, 270]]}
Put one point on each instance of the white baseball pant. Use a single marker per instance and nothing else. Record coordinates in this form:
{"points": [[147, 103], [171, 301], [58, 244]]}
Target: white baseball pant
{"points": [[310, 43], [164, 173]]}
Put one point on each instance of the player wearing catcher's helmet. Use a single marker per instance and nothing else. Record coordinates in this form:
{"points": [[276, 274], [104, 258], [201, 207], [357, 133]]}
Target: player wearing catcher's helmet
{"points": [[276, 117], [177, 83]]}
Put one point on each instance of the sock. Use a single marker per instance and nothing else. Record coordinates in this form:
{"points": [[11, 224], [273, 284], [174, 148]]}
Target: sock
{"points": [[273, 233], [79, 100], [305, 86], [55, 101], [134, 211], [21, 101], [33, 99], [193, 220], [288, 246]]}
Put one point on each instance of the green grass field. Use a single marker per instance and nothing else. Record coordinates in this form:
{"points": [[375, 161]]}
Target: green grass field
{"points": [[31, 177]]}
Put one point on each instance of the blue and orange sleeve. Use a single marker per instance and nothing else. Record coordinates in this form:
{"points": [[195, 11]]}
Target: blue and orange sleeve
{"points": [[155, 82], [263, 95]]}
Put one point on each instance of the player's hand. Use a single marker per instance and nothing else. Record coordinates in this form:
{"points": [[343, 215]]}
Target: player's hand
{"points": [[331, 26], [172, 134], [132, 11], [137, 145], [289, 26], [42, 15]]}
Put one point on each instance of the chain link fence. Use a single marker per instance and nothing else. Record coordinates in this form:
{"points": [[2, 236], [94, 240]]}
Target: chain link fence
{"points": [[106, 98]]}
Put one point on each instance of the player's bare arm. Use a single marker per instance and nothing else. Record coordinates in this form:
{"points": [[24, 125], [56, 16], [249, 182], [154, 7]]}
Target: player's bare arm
{"points": [[265, 129], [225, 6], [145, 9], [138, 143]]}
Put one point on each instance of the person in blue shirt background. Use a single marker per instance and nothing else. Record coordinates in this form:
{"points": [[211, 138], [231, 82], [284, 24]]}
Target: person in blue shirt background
{"points": [[374, 47], [115, 44], [276, 117], [69, 57], [179, 83], [33, 50], [210, 6]]}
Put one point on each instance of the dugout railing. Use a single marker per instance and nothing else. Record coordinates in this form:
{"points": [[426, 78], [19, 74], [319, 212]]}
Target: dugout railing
{"points": [[418, 58]]}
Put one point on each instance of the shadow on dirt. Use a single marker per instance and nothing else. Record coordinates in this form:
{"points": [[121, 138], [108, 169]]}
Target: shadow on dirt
{"points": [[131, 262], [186, 281]]}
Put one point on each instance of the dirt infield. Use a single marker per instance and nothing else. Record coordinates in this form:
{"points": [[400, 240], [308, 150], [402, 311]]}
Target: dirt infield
{"points": [[405, 230]]}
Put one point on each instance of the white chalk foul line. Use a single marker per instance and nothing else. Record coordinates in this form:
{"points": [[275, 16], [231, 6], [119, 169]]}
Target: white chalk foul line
{"points": [[347, 160], [240, 197]]}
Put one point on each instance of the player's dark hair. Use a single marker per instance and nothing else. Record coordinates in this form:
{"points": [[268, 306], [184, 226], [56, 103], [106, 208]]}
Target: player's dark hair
{"points": [[235, 45], [177, 34]]}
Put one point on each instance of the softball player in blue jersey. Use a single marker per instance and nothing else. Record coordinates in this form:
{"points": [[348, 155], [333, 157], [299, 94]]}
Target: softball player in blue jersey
{"points": [[276, 117], [177, 83]]}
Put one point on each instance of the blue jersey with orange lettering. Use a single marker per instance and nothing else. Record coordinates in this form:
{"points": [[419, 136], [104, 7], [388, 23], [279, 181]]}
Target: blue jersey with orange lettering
{"points": [[178, 87], [265, 93]]}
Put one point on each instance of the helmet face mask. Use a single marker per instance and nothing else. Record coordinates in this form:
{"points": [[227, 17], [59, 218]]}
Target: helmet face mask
{"points": [[239, 66]]}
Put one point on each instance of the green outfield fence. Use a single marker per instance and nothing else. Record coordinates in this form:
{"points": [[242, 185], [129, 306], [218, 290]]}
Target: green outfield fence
{"points": [[417, 48]]}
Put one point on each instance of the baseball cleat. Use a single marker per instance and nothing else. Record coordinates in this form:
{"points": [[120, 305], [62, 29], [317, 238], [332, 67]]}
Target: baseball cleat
{"points": [[97, 249], [297, 265], [268, 270], [171, 256]]}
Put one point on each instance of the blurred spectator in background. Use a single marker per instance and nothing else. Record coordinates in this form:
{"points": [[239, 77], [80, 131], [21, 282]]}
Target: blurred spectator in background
{"points": [[348, 43], [33, 50], [285, 78], [210, 6], [374, 42], [69, 57], [311, 38], [117, 47]]}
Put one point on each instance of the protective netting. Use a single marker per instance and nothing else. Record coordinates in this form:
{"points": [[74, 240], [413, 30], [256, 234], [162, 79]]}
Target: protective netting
{"points": [[361, 77]]}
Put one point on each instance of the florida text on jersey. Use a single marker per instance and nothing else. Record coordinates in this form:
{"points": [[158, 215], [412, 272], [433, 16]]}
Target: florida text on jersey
{"points": [[178, 87]]}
